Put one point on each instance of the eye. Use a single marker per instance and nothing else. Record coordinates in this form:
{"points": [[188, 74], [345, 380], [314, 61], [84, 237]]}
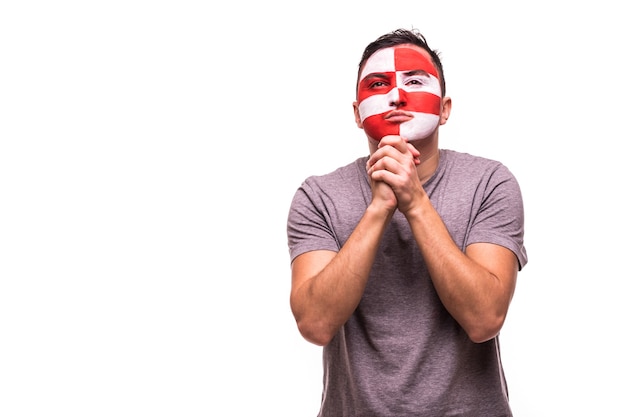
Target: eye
{"points": [[378, 84], [415, 82]]}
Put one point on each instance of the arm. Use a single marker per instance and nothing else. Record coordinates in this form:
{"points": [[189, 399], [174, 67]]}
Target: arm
{"points": [[326, 286], [477, 286]]}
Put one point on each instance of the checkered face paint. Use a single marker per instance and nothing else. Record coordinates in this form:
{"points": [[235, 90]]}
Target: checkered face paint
{"points": [[399, 94]]}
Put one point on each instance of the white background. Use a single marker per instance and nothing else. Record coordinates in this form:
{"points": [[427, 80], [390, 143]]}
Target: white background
{"points": [[149, 151]]}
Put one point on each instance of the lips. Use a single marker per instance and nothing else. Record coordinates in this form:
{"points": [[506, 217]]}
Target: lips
{"points": [[397, 116]]}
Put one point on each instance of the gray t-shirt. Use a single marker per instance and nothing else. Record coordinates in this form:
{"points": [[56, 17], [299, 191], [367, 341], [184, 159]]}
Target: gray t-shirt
{"points": [[401, 353]]}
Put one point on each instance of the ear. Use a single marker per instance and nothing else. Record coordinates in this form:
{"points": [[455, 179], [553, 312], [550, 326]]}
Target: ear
{"points": [[446, 108], [357, 115]]}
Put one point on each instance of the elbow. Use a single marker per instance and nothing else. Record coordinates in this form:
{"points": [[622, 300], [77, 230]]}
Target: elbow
{"points": [[484, 329], [315, 333]]}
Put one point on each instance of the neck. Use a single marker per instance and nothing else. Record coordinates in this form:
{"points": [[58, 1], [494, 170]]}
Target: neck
{"points": [[429, 158]]}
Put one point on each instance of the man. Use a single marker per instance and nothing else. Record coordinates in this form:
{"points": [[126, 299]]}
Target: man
{"points": [[404, 263]]}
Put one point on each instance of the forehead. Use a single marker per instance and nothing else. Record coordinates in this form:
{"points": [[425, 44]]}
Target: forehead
{"points": [[399, 58]]}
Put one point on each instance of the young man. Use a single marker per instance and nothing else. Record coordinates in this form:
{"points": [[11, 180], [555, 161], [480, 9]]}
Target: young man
{"points": [[404, 263]]}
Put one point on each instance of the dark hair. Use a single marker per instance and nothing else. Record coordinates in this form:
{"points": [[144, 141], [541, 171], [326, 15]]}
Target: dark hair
{"points": [[404, 36]]}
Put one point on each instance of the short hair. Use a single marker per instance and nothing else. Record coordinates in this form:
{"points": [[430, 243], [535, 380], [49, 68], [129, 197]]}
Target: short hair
{"points": [[405, 36]]}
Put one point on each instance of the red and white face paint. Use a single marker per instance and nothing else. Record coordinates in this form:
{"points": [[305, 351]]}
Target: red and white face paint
{"points": [[399, 94]]}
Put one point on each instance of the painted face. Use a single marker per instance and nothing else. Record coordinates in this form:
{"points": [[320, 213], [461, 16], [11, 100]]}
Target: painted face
{"points": [[399, 94]]}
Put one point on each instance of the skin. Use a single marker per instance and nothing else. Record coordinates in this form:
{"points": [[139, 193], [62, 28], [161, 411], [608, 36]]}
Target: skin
{"points": [[476, 287], [399, 75]]}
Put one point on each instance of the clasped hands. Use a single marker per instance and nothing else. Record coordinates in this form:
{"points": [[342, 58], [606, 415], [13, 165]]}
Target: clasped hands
{"points": [[392, 170]]}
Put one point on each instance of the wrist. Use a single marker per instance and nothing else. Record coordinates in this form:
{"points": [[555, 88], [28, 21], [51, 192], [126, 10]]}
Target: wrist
{"points": [[381, 210], [418, 210]]}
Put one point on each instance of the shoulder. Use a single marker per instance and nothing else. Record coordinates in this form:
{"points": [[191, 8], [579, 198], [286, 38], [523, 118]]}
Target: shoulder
{"points": [[345, 176], [464, 159], [469, 165], [466, 177]]}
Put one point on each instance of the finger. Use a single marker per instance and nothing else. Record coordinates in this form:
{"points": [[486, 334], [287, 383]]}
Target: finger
{"points": [[386, 164], [414, 153], [392, 140]]}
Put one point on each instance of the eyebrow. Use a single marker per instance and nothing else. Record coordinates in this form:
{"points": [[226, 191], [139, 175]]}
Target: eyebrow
{"points": [[376, 75], [416, 72]]}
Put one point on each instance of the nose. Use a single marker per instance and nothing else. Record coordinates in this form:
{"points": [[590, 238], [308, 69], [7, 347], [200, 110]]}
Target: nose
{"points": [[397, 97]]}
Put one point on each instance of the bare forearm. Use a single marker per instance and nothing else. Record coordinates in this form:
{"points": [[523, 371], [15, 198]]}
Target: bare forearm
{"points": [[473, 295], [324, 302]]}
